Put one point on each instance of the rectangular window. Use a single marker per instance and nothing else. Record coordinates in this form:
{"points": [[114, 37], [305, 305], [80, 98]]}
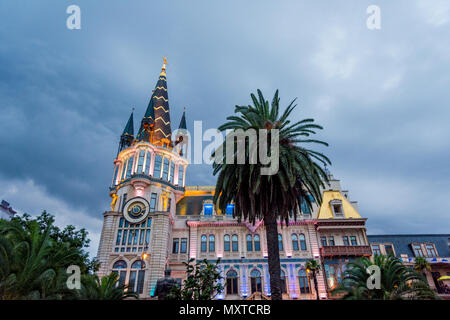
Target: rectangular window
{"points": [[141, 237], [338, 209], [148, 162], [331, 241], [135, 237], [124, 239], [140, 168], [165, 169], [345, 240], [230, 209], [175, 245], [130, 237], [431, 252], [417, 250], [388, 249], [172, 171], [180, 175], [376, 250], [183, 248], [130, 167], [153, 202], [323, 240], [353, 241], [157, 169], [119, 234], [147, 236], [169, 201]]}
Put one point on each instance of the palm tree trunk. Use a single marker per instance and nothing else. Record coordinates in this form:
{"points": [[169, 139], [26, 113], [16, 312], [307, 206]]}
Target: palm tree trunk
{"points": [[270, 222], [316, 286]]}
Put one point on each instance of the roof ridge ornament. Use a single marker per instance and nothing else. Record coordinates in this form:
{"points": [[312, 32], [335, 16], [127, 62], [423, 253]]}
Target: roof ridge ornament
{"points": [[163, 70]]}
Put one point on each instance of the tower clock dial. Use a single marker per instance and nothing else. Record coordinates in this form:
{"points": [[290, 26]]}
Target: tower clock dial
{"points": [[136, 210]]}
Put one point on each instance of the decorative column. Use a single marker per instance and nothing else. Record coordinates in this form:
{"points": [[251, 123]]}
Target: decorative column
{"points": [[266, 280], [312, 235], [244, 279], [294, 290], [192, 240]]}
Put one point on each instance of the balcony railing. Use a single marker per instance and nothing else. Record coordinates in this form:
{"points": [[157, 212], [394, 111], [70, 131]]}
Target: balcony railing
{"points": [[345, 251]]}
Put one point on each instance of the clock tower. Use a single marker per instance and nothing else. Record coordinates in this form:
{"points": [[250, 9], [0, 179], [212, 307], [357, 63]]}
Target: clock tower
{"points": [[148, 180]]}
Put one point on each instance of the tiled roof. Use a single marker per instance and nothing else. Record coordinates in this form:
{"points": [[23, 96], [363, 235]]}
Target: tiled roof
{"points": [[191, 205], [402, 242]]}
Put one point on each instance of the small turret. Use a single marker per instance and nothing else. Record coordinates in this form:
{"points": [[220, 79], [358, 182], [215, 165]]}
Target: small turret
{"points": [[181, 138], [127, 137]]}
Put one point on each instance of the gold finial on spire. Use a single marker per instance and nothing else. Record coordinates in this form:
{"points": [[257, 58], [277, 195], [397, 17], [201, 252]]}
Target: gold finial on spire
{"points": [[163, 71]]}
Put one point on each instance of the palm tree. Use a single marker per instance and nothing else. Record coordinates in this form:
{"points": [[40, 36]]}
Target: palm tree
{"points": [[270, 197], [27, 269], [313, 266], [421, 265], [397, 281], [92, 288]]}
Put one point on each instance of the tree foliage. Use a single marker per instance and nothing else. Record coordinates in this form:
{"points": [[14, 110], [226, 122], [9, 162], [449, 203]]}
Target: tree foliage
{"points": [[106, 288], [202, 282], [397, 281], [35, 254], [299, 178]]}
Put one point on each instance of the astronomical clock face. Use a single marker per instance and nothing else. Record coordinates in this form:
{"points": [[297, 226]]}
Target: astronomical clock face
{"points": [[136, 210]]}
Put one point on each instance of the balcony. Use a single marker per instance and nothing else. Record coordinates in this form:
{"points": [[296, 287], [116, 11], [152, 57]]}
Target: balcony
{"points": [[330, 251]]}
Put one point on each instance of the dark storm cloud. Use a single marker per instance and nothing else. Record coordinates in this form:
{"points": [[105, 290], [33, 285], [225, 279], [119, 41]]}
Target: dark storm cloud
{"points": [[382, 96]]}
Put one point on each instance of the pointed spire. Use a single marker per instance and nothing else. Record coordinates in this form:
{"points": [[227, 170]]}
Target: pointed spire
{"points": [[162, 132], [183, 120], [127, 136], [129, 128]]}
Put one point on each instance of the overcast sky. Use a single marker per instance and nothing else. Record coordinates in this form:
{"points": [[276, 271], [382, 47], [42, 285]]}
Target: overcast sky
{"points": [[381, 95]]}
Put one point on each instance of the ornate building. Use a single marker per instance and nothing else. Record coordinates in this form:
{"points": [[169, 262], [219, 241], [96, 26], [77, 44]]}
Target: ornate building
{"points": [[156, 222]]}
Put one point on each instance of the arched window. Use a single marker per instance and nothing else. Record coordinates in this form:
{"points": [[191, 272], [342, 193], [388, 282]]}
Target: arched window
{"points": [[130, 167], [257, 243], [234, 242], [280, 242], [172, 171], [120, 268], [294, 242], [116, 171], [303, 281], [157, 168], [249, 243], [124, 169], [180, 175], [283, 282], [302, 241], [212, 243], [137, 273], [140, 164], [232, 282], [148, 161], [203, 243], [226, 242], [255, 281], [165, 173]]}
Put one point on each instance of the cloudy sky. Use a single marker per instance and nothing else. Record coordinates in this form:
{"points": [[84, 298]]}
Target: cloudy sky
{"points": [[382, 95]]}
